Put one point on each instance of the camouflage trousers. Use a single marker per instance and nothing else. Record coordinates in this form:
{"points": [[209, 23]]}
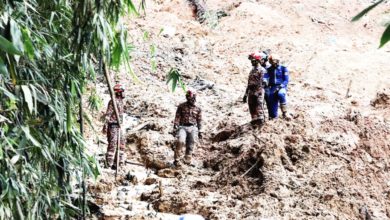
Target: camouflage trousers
{"points": [[112, 139], [256, 109], [187, 136]]}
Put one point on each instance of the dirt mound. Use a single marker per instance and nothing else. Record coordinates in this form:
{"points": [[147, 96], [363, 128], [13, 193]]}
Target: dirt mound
{"points": [[382, 100], [155, 149], [329, 162]]}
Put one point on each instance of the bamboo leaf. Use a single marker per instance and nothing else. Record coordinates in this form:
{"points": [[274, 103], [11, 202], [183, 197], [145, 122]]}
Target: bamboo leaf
{"points": [[366, 10], [26, 131], [28, 44], [68, 118], [131, 7], [34, 95], [20, 212], [175, 77], [15, 159], [16, 35], [1, 153], [160, 32], [385, 36], [28, 98], [7, 93], [8, 47], [3, 67], [174, 84]]}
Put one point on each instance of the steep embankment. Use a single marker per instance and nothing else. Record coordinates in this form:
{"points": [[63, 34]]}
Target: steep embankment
{"points": [[329, 162]]}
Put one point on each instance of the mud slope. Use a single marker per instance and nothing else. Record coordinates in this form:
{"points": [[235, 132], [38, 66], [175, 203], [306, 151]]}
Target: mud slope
{"points": [[329, 162]]}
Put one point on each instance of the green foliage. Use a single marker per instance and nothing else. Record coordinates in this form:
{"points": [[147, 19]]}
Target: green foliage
{"points": [[94, 101], [386, 34], [366, 10], [174, 77], [48, 54], [152, 49], [211, 18]]}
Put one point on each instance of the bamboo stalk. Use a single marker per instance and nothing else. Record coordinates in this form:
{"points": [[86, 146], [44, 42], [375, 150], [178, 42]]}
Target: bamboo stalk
{"points": [[81, 117]]}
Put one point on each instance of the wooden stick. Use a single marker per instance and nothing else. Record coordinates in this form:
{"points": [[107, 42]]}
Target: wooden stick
{"points": [[349, 88], [81, 116], [257, 161], [139, 127], [134, 163], [160, 188], [117, 152]]}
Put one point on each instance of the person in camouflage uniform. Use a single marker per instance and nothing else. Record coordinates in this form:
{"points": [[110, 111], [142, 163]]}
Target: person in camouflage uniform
{"points": [[187, 125], [112, 129], [254, 93], [198, 9]]}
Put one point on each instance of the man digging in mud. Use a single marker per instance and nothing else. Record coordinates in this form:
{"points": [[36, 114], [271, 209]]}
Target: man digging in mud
{"points": [[254, 93], [112, 129], [276, 80], [187, 126]]}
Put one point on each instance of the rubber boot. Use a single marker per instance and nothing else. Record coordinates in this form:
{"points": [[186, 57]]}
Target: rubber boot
{"points": [[188, 159], [257, 123], [285, 115], [178, 154]]}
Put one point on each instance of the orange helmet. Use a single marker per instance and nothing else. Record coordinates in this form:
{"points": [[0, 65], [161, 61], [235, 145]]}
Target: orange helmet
{"points": [[274, 57]]}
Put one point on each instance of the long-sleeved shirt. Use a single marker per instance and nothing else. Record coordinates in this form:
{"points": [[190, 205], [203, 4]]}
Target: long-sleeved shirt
{"points": [[255, 81], [110, 114], [277, 76], [188, 114]]}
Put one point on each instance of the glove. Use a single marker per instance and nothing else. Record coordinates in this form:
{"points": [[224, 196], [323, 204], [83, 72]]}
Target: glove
{"points": [[278, 88], [200, 135], [174, 132], [244, 99]]}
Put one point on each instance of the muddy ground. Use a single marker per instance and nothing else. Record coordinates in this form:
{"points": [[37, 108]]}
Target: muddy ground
{"points": [[329, 162]]}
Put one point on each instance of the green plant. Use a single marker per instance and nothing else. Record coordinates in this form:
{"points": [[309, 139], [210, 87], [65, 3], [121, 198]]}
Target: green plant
{"points": [[386, 34], [174, 77], [48, 54]]}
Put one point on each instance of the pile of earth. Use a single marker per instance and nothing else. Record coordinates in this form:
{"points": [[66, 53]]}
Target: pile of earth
{"points": [[329, 162]]}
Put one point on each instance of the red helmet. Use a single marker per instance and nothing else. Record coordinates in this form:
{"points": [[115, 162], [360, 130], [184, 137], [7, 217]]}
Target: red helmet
{"points": [[118, 88], [257, 56], [190, 94]]}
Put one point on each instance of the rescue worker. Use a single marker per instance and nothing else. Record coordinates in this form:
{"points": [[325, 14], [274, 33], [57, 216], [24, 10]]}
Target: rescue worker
{"points": [[267, 54], [188, 128], [254, 93], [112, 129], [276, 81]]}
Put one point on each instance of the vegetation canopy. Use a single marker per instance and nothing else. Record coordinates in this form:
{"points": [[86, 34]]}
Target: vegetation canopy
{"points": [[49, 52], [386, 34]]}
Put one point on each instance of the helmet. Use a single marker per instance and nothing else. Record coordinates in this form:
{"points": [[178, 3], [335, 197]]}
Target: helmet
{"points": [[274, 57], [257, 56], [190, 94], [118, 88]]}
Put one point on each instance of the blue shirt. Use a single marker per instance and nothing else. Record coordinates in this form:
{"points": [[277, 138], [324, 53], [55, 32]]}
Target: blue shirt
{"points": [[277, 76]]}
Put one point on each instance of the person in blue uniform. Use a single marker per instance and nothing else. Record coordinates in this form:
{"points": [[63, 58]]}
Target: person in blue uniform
{"points": [[276, 81]]}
